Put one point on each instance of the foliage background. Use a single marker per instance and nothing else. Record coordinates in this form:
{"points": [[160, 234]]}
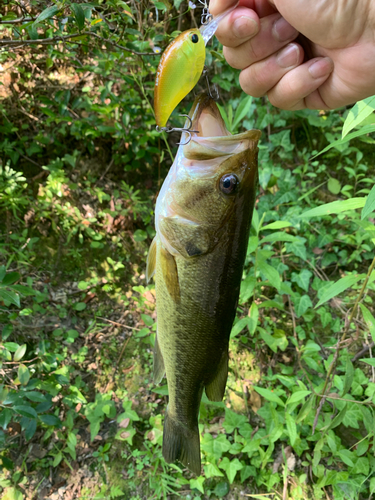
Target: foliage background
{"points": [[80, 168]]}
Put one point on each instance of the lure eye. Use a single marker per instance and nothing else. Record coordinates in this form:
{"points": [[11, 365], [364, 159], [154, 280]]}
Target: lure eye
{"points": [[195, 38], [229, 183]]}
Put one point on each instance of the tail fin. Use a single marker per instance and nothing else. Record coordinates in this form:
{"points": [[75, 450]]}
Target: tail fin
{"points": [[181, 443]]}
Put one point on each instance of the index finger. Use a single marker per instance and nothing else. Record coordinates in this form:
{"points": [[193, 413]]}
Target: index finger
{"points": [[261, 7]]}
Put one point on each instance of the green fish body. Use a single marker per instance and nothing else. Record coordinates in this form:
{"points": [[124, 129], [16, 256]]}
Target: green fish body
{"points": [[203, 216]]}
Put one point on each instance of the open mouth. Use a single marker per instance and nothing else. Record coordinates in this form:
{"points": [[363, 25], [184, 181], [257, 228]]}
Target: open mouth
{"points": [[206, 118], [212, 139]]}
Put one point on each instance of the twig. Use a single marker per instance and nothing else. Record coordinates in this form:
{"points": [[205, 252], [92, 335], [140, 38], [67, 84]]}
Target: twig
{"points": [[362, 352], [110, 382], [19, 20], [320, 406], [106, 170], [20, 361], [119, 324], [63, 38]]}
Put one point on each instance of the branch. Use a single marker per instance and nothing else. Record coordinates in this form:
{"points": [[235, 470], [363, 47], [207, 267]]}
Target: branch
{"points": [[19, 20], [67, 38]]}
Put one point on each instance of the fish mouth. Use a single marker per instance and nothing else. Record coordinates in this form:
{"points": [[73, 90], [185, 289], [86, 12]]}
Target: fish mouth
{"points": [[209, 135], [206, 118]]}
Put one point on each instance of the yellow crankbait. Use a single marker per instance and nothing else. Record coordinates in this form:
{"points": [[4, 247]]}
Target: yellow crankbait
{"points": [[179, 70], [181, 66]]}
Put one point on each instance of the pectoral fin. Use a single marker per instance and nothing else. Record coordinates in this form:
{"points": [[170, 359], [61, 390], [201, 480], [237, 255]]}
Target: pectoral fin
{"points": [[215, 390], [170, 274], [188, 238], [151, 261], [159, 369]]}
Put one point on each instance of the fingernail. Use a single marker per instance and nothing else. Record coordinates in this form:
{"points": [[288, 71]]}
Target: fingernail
{"points": [[283, 30], [321, 67], [288, 57], [244, 27]]}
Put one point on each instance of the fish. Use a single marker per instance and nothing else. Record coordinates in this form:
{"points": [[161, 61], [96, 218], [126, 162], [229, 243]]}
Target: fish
{"points": [[180, 67], [202, 217]]}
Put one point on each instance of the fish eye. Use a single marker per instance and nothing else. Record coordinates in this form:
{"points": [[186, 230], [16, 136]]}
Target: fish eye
{"points": [[229, 183], [194, 38]]}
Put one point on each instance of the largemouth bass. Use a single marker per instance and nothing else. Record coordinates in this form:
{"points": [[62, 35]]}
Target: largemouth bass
{"points": [[203, 215]]}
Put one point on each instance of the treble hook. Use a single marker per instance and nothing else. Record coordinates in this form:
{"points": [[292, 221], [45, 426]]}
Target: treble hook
{"points": [[188, 130], [215, 96]]}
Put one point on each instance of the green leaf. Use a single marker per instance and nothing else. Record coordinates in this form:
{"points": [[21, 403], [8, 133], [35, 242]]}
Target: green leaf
{"points": [[26, 411], [30, 429], [212, 470], [302, 304], [7, 331], [291, 427], [305, 410], [349, 376], [197, 483], [297, 396], [269, 395], [369, 205], [335, 207], [231, 467], [340, 286], [11, 278], [36, 397], [10, 296], [19, 353], [50, 420], [221, 445], [47, 13], [233, 420], [221, 489], [139, 235], [346, 456], [338, 419], [11, 346], [334, 186], [270, 274], [369, 320], [239, 326], [369, 361], [242, 110], [78, 14], [3, 272], [359, 112], [23, 374], [280, 224], [279, 236], [80, 306], [367, 129], [12, 494]]}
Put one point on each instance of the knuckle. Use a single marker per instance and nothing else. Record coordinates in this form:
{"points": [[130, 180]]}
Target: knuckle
{"points": [[247, 85], [233, 58]]}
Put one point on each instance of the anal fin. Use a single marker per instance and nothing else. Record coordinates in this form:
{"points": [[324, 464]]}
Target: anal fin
{"points": [[216, 388], [159, 369]]}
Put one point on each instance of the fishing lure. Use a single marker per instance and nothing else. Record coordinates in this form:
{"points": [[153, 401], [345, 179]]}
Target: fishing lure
{"points": [[181, 66]]}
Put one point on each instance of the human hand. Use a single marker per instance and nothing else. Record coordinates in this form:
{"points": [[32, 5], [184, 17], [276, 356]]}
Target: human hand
{"points": [[301, 54]]}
